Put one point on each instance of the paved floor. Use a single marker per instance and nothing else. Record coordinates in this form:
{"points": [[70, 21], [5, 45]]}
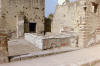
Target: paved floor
{"points": [[20, 46], [63, 59], [43, 53]]}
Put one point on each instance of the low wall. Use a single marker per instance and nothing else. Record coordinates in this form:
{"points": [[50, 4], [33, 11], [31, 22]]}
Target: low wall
{"points": [[48, 42], [35, 40], [55, 42]]}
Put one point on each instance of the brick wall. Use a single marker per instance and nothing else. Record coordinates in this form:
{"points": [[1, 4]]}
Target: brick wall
{"points": [[3, 48]]}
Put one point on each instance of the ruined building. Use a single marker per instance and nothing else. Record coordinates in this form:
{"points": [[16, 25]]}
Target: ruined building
{"points": [[81, 17], [21, 16]]}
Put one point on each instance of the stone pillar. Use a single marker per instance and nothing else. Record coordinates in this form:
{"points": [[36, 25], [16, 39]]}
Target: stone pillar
{"points": [[83, 35], [20, 24], [3, 48]]}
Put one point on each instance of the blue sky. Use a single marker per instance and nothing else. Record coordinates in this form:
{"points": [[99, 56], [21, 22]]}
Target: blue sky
{"points": [[50, 6]]}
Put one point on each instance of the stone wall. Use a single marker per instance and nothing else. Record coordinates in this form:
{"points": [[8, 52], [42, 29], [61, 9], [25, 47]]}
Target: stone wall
{"points": [[3, 49], [81, 17], [32, 11], [89, 24], [67, 16]]}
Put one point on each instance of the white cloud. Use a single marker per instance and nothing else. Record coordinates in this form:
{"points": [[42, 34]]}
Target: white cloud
{"points": [[60, 2]]}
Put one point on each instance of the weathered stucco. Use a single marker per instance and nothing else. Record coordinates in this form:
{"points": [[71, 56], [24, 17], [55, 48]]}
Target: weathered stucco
{"points": [[13, 12], [3, 49]]}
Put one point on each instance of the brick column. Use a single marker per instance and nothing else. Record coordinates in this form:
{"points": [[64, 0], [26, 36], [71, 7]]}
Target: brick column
{"points": [[3, 48], [83, 35]]}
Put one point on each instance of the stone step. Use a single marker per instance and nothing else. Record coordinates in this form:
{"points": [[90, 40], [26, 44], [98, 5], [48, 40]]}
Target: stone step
{"points": [[41, 53]]}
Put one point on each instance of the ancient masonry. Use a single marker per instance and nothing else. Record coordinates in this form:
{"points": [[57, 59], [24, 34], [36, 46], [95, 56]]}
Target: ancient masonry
{"points": [[81, 17], [21, 16], [3, 49]]}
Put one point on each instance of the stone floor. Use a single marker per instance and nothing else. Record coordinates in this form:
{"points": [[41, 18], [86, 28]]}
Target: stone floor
{"points": [[43, 53], [80, 56], [20, 46]]}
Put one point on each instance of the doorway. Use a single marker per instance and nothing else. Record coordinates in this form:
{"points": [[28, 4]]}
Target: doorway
{"points": [[32, 27]]}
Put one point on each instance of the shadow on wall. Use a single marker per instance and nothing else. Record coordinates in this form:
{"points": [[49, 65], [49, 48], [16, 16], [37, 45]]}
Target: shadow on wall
{"points": [[47, 25]]}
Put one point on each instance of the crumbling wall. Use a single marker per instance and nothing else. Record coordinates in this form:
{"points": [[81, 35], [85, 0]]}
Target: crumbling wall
{"points": [[3, 49], [91, 23], [81, 17], [69, 16], [33, 10]]}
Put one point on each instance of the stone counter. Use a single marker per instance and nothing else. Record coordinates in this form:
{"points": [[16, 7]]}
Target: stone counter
{"points": [[52, 41]]}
